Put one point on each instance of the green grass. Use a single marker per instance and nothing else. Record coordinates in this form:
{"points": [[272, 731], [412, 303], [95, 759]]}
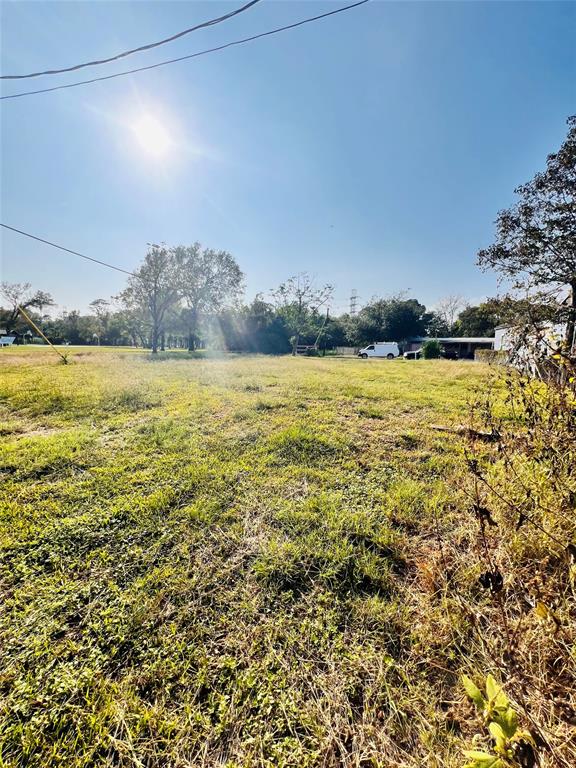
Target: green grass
{"points": [[225, 561]]}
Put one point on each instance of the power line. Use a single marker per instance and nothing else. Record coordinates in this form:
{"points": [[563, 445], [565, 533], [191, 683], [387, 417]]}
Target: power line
{"points": [[61, 248], [135, 50], [189, 56]]}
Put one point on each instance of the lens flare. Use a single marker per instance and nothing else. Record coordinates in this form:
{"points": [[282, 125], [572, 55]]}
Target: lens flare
{"points": [[152, 136]]}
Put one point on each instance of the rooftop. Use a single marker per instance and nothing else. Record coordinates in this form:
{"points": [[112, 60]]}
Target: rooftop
{"points": [[457, 339]]}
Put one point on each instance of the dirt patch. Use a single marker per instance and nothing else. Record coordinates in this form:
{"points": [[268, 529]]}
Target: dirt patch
{"points": [[23, 430]]}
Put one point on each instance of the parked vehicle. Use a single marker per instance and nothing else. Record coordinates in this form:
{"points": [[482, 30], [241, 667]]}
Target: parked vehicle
{"points": [[449, 354], [387, 349], [416, 354]]}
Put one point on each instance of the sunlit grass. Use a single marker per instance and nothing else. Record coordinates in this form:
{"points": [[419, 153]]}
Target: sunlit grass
{"points": [[207, 561]]}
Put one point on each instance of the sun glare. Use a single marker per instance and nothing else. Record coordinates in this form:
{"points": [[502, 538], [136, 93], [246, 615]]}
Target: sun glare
{"points": [[152, 136]]}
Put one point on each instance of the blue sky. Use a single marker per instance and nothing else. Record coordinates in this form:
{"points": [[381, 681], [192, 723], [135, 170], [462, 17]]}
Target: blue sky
{"points": [[372, 149]]}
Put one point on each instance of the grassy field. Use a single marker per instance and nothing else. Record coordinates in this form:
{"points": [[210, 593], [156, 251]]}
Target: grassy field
{"points": [[228, 561]]}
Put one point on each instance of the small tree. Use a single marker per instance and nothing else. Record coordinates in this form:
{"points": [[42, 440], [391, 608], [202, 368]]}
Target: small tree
{"points": [[536, 237], [431, 349], [132, 323], [67, 326], [297, 302], [333, 333]]}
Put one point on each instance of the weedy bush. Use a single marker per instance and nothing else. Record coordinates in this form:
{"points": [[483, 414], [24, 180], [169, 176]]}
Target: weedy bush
{"points": [[521, 490], [512, 746], [431, 349]]}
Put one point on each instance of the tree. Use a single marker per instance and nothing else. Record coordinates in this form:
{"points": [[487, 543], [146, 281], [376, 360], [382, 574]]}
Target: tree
{"points": [[448, 308], [394, 319], [333, 333], [536, 237], [208, 280], [436, 325], [131, 324], [72, 327], [21, 295], [154, 289], [297, 302], [67, 327], [479, 320], [254, 328], [101, 309]]}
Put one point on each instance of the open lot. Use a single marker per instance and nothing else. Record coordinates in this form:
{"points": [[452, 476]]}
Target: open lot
{"points": [[227, 561]]}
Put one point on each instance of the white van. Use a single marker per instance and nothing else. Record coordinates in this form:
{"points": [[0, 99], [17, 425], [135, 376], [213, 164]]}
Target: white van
{"points": [[387, 349]]}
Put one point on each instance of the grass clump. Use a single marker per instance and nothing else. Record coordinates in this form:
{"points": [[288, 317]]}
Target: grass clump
{"points": [[301, 445], [130, 400]]}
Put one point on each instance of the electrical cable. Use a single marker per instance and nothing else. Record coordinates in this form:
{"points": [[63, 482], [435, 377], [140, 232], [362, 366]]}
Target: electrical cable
{"points": [[141, 48], [189, 56], [67, 250]]}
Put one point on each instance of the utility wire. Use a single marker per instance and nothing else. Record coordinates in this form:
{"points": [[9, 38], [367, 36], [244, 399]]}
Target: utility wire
{"points": [[135, 50], [191, 55], [61, 248]]}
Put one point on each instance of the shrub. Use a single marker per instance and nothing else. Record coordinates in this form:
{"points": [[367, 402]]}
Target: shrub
{"points": [[431, 349]]}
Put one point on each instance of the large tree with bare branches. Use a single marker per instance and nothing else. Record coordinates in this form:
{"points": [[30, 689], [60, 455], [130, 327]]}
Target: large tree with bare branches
{"points": [[297, 301], [154, 289], [448, 308], [21, 295], [208, 281]]}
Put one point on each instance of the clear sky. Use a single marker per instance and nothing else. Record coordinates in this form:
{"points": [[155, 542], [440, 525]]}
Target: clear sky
{"points": [[372, 149]]}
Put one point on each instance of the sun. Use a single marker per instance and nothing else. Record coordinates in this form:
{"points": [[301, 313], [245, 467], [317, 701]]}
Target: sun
{"points": [[152, 136]]}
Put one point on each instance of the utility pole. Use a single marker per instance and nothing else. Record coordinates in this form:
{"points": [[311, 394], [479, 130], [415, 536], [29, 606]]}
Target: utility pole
{"points": [[322, 327]]}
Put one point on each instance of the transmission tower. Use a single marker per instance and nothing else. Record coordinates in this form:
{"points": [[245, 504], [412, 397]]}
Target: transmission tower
{"points": [[353, 302]]}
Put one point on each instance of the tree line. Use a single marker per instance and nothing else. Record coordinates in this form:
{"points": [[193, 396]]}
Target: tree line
{"points": [[192, 298]]}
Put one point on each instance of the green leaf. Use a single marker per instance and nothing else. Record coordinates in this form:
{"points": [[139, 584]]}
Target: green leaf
{"points": [[496, 730], [492, 687], [483, 759], [498, 734], [473, 692], [508, 721], [495, 693], [476, 754]]}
